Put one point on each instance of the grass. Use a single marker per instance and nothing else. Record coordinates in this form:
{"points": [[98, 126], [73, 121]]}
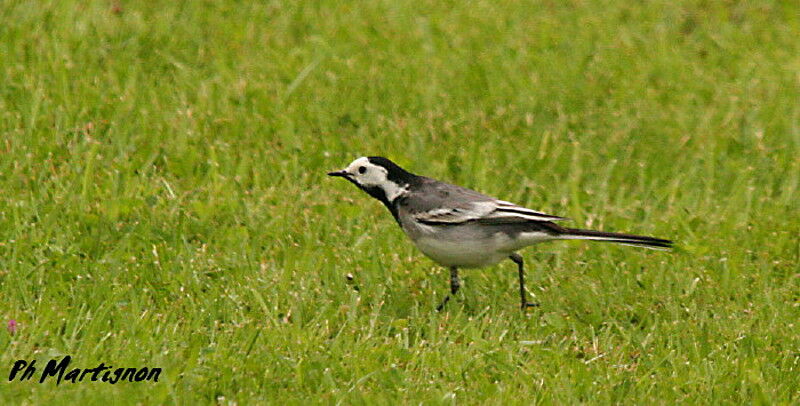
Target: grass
{"points": [[164, 202]]}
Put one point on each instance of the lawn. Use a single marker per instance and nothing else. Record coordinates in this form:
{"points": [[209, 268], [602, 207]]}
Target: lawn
{"points": [[164, 200]]}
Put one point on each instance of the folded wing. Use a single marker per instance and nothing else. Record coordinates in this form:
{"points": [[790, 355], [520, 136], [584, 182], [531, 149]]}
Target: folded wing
{"points": [[489, 212]]}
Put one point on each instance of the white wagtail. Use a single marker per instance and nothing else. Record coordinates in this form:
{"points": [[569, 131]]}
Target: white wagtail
{"points": [[461, 228]]}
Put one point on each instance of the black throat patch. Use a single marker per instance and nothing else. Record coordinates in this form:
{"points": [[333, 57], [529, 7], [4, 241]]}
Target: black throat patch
{"points": [[394, 173]]}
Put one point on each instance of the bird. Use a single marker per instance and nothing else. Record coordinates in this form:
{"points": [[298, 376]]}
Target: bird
{"points": [[460, 228]]}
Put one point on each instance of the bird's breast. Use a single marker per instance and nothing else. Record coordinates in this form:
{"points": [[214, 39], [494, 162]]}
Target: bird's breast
{"points": [[469, 245], [463, 246], [462, 254]]}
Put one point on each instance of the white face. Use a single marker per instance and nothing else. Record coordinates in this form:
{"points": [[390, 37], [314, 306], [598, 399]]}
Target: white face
{"points": [[367, 174]]}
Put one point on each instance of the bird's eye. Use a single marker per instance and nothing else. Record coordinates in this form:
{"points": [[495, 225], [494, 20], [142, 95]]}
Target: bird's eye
{"points": [[362, 169]]}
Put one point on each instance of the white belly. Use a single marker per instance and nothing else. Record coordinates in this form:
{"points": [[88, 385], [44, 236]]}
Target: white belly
{"points": [[462, 254], [474, 253]]}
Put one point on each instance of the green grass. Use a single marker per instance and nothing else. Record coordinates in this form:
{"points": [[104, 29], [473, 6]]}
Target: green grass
{"points": [[164, 199]]}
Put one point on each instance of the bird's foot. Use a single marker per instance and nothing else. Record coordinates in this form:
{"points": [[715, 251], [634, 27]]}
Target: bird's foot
{"points": [[526, 305], [444, 302]]}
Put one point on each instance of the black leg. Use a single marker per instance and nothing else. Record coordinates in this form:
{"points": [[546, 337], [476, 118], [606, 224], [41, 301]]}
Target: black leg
{"points": [[524, 303], [454, 285]]}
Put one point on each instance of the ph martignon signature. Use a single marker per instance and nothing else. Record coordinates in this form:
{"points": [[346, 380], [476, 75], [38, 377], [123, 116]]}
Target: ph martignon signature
{"points": [[62, 372]]}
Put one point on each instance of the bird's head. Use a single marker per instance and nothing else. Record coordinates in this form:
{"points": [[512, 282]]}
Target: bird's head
{"points": [[378, 176]]}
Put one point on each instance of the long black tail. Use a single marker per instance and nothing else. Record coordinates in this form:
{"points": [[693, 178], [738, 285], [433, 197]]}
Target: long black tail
{"points": [[619, 238]]}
